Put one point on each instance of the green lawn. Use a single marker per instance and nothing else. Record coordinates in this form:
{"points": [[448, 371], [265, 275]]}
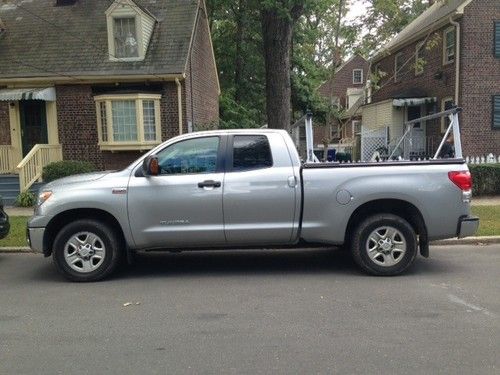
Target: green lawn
{"points": [[17, 234], [489, 215], [489, 220]]}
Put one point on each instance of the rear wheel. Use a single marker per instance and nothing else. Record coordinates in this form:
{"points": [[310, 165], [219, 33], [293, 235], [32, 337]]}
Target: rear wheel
{"points": [[384, 245], [86, 250]]}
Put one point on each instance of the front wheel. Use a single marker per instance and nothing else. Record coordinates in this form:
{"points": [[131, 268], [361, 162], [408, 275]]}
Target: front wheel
{"points": [[384, 245], [86, 250]]}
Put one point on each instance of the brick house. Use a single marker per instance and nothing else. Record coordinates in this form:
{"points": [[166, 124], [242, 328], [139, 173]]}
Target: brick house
{"points": [[102, 81], [448, 55], [346, 92]]}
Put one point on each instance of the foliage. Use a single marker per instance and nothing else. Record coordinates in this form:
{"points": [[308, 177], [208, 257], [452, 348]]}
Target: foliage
{"points": [[486, 179], [65, 168], [26, 199]]}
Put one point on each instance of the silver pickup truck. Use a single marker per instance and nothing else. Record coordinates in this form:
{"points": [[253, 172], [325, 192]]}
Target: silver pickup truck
{"points": [[249, 189]]}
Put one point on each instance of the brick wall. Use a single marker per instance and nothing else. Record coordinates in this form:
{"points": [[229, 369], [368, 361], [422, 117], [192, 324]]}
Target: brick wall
{"points": [[4, 124], [480, 78], [202, 96]]}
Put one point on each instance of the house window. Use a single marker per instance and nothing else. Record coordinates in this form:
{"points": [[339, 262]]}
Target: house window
{"points": [[357, 76], [449, 45], [447, 103], [128, 122], [125, 37], [356, 127], [496, 112], [419, 59], [398, 66], [497, 39], [335, 102]]}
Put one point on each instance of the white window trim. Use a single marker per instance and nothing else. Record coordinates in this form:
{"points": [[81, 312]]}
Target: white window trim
{"points": [[354, 123], [418, 48], [130, 13], [443, 106], [445, 55], [140, 144], [396, 73], [362, 78]]}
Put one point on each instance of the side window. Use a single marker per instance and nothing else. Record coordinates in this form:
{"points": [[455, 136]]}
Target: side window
{"points": [[198, 155], [251, 152]]}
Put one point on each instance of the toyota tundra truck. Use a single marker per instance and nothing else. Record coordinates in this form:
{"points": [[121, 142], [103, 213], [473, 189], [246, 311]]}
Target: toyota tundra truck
{"points": [[249, 189]]}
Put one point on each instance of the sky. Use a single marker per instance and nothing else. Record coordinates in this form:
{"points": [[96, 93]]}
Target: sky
{"points": [[357, 9]]}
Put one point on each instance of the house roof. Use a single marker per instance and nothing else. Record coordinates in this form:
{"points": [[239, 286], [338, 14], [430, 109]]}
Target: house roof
{"points": [[73, 40], [430, 19]]}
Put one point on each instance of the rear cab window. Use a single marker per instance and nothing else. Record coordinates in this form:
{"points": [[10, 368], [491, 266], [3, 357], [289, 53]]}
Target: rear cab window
{"points": [[250, 152]]}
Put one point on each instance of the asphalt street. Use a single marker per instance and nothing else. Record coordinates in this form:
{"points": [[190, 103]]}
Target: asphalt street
{"points": [[263, 312]]}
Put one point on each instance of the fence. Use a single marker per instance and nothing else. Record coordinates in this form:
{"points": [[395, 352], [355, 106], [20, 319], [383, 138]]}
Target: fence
{"points": [[488, 159]]}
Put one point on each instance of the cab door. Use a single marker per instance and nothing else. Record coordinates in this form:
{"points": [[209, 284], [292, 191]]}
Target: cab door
{"points": [[260, 191], [182, 206]]}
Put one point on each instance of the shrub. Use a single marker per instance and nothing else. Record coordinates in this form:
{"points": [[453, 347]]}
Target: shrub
{"points": [[486, 179], [26, 199], [65, 168]]}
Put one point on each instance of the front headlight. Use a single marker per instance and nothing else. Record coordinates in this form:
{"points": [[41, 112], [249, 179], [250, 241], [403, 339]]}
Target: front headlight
{"points": [[43, 196]]}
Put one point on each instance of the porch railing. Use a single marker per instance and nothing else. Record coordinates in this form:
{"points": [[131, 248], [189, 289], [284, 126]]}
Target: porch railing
{"points": [[30, 168], [6, 159]]}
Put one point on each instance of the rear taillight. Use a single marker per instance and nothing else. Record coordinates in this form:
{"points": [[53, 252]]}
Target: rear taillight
{"points": [[462, 179]]}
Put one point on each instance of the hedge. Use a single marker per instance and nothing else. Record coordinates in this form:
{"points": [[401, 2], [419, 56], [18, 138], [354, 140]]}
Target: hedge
{"points": [[65, 168], [485, 179]]}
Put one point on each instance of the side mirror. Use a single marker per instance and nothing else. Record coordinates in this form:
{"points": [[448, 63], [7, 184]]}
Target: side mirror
{"points": [[150, 166]]}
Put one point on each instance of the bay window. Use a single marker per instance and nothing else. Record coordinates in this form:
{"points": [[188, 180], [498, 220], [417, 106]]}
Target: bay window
{"points": [[128, 122]]}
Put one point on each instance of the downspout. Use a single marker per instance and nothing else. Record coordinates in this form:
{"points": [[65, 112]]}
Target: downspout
{"points": [[457, 62], [179, 103]]}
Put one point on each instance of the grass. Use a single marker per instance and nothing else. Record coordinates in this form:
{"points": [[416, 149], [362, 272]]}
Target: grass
{"points": [[489, 226], [489, 216], [17, 234]]}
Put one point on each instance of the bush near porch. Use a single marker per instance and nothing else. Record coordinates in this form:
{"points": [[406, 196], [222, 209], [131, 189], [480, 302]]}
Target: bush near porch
{"points": [[485, 179], [65, 168]]}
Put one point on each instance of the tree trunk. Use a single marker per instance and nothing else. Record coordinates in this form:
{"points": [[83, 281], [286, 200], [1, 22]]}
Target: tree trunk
{"points": [[277, 36], [239, 62]]}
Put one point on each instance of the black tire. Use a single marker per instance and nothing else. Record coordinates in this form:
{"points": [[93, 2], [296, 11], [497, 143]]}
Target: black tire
{"points": [[107, 239], [383, 265]]}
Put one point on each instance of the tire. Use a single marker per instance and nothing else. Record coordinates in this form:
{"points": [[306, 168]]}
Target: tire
{"points": [[86, 250], [384, 245]]}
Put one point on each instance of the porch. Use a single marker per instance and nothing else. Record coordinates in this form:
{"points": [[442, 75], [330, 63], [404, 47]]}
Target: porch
{"points": [[34, 140]]}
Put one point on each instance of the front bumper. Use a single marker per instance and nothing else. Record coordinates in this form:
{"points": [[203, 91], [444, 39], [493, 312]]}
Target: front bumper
{"points": [[34, 236], [467, 226]]}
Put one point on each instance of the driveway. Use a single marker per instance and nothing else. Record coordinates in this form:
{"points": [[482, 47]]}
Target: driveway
{"points": [[265, 312]]}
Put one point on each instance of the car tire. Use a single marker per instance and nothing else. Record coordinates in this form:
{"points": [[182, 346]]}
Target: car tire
{"points": [[86, 250], [384, 245]]}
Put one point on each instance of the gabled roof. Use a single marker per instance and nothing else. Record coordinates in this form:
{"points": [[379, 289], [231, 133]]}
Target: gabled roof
{"points": [[72, 40], [432, 18]]}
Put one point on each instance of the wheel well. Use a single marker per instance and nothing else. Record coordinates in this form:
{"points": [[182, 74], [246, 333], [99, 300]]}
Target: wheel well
{"points": [[397, 207], [60, 220]]}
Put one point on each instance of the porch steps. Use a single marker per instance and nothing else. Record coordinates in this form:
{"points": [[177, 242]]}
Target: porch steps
{"points": [[9, 188]]}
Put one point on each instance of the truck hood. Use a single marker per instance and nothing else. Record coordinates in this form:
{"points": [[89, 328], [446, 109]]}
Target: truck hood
{"points": [[76, 179]]}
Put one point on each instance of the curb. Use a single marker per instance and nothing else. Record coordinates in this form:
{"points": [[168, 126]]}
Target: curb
{"points": [[454, 241], [468, 241], [15, 250]]}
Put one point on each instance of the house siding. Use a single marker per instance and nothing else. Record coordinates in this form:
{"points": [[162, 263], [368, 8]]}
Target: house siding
{"points": [[202, 90], [480, 72], [4, 124], [77, 120]]}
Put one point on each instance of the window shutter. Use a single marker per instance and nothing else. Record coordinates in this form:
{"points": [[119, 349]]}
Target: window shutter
{"points": [[496, 112], [497, 39]]}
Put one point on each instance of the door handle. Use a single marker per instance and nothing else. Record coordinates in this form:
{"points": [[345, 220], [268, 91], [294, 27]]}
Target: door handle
{"points": [[209, 183]]}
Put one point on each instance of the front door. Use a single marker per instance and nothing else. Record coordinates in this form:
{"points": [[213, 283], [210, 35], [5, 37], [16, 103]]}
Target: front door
{"points": [[417, 135], [183, 205], [33, 124]]}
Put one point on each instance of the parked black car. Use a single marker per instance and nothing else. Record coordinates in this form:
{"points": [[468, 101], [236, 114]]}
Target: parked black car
{"points": [[4, 221]]}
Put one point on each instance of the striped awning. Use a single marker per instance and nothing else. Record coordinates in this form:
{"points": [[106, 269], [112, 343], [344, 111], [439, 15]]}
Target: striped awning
{"points": [[412, 102], [45, 93]]}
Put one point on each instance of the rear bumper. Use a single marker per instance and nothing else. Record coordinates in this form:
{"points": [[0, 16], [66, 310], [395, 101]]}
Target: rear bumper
{"points": [[467, 226], [34, 236]]}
